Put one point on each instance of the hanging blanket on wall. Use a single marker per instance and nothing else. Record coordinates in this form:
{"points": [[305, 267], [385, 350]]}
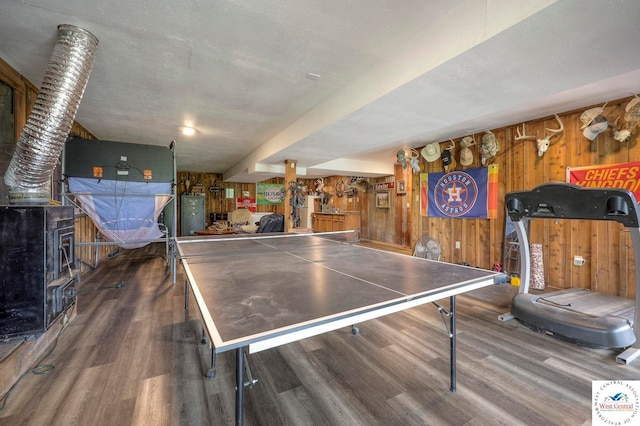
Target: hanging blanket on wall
{"points": [[125, 212]]}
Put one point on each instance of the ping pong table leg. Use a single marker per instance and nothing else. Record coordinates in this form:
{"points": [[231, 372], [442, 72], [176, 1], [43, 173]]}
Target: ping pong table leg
{"points": [[186, 294], [239, 387], [452, 341], [211, 373]]}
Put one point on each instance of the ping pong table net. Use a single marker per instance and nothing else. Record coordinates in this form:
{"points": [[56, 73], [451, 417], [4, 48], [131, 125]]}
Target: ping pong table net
{"points": [[350, 236], [347, 237]]}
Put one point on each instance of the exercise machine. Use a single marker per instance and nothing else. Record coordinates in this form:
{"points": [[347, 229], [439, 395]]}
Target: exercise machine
{"points": [[579, 315]]}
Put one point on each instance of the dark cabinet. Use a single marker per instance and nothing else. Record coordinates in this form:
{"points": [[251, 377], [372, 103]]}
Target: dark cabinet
{"points": [[192, 216]]}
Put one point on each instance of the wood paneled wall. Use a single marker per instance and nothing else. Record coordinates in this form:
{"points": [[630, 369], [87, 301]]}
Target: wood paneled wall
{"points": [[25, 95], [339, 202], [392, 225], [606, 246]]}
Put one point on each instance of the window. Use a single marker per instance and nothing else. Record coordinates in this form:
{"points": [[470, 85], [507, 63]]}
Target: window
{"points": [[7, 136]]}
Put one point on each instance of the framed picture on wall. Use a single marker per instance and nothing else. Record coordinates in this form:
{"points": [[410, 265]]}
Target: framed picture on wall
{"points": [[382, 199], [400, 188]]}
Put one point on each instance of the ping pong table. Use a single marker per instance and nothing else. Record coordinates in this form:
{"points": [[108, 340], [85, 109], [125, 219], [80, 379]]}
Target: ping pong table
{"points": [[259, 292]]}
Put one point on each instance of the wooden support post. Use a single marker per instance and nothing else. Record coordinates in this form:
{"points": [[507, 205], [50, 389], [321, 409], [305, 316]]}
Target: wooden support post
{"points": [[289, 176]]}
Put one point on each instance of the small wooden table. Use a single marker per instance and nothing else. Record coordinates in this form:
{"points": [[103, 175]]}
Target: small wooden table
{"points": [[214, 232]]}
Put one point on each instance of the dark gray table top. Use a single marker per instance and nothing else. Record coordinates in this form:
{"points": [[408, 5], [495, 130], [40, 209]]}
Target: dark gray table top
{"points": [[251, 289]]}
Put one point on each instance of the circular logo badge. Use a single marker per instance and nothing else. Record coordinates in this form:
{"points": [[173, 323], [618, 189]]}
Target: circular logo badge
{"points": [[456, 193], [615, 402]]}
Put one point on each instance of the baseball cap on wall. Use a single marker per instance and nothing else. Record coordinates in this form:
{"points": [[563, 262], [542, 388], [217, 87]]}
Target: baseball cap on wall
{"points": [[466, 157], [598, 125]]}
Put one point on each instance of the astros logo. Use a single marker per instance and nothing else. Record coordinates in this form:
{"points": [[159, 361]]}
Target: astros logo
{"points": [[455, 193]]}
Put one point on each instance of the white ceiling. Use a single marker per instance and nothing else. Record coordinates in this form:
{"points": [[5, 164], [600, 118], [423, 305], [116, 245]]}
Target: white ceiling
{"points": [[393, 74]]}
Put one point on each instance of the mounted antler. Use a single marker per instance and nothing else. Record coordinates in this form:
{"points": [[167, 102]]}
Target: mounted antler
{"points": [[622, 135], [544, 143], [524, 135], [358, 184]]}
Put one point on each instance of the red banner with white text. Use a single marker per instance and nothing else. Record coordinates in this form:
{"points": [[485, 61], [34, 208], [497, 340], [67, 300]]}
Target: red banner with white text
{"points": [[625, 176]]}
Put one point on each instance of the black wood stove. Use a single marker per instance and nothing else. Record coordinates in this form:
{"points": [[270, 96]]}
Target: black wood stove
{"points": [[37, 268]]}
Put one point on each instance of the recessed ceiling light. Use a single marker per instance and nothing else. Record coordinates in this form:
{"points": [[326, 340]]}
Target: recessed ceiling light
{"points": [[313, 76], [188, 131]]}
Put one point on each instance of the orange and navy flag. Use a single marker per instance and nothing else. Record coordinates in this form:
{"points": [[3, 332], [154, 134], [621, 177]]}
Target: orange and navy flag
{"points": [[471, 193]]}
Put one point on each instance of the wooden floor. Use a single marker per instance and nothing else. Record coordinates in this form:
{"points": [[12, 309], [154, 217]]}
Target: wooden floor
{"points": [[132, 357]]}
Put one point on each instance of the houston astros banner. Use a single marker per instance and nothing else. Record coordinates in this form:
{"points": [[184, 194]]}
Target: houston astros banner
{"points": [[625, 176], [471, 193]]}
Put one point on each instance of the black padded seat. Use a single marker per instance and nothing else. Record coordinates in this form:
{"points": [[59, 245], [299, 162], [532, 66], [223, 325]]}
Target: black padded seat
{"points": [[271, 223]]}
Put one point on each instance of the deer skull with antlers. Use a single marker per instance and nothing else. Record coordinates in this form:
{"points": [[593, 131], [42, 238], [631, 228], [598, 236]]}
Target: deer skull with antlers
{"points": [[622, 135], [544, 143]]}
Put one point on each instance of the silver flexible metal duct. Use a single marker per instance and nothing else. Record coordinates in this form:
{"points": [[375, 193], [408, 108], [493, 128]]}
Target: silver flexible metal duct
{"points": [[45, 133]]}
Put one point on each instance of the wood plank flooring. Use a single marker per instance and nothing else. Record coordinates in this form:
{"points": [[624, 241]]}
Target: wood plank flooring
{"points": [[132, 356]]}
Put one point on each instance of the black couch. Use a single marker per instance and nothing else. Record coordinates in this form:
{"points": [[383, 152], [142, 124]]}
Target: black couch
{"points": [[271, 223]]}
